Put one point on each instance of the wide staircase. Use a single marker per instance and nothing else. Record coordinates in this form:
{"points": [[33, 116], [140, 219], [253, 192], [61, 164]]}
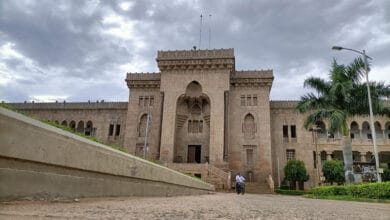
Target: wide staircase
{"points": [[220, 178], [257, 188]]}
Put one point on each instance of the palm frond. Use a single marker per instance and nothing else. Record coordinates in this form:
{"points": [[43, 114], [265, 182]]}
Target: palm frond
{"points": [[318, 84]]}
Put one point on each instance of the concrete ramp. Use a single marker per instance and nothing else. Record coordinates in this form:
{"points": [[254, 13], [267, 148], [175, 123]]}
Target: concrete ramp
{"points": [[40, 161]]}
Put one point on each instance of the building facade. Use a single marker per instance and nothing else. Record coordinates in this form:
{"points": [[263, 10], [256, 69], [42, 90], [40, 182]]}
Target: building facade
{"points": [[200, 110]]}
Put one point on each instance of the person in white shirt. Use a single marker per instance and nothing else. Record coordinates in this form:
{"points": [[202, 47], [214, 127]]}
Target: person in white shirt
{"points": [[240, 184]]}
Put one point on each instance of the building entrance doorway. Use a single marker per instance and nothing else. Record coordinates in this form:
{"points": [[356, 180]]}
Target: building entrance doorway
{"points": [[194, 152]]}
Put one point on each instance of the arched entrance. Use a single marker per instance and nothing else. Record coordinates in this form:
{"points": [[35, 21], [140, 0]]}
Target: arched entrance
{"points": [[192, 131]]}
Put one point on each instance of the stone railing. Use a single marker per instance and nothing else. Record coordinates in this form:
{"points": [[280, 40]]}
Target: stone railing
{"points": [[195, 54], [70, 105], [143, 76], [224, 176], [206, 170], [252, 74], [283, 104]]}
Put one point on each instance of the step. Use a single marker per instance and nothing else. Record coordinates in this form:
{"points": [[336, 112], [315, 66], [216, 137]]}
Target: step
{"points": [[257, 188]]}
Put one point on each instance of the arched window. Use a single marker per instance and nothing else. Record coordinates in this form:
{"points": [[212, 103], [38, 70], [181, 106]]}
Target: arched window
{"points": [[323, 133], [378, 130], [80, 127], [249, 127], [387, 130], [88, 128], [142, 126], [64, 123], [354, 131], [366, 132], [72, 125]]}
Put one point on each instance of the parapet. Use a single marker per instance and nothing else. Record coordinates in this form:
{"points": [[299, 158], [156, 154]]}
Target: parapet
{"points": [[195, 54], [70, 105], [283, 104], [252, 74], [195, 59], [252, 78], [144, 80]]}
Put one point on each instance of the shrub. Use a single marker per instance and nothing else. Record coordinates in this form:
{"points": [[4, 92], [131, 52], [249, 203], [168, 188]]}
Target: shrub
{"points": [[386, 172], [333, 171], [291, 192], [295, 171], [370, 190]]}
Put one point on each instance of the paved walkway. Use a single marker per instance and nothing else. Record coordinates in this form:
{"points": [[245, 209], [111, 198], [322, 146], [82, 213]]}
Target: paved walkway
{"points": [[216, 206]]}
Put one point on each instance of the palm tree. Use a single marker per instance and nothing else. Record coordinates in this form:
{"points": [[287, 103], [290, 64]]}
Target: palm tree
{"points": [[342, 96]]}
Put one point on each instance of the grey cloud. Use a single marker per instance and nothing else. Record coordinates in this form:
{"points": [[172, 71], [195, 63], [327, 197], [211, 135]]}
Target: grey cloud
{"points": [[279, 35]]}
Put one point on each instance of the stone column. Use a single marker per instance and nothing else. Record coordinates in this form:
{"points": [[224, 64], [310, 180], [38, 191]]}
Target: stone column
{"points": [[217, 128], [168, 127]]}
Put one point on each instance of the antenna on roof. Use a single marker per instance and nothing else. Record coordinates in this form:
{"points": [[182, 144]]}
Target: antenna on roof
{"points": [[200, 31], [209, 29]]}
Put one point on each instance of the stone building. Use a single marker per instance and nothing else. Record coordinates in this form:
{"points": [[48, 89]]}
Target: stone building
{"points": [[202, 116]]}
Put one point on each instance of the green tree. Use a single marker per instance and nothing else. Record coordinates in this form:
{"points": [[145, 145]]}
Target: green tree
{"points": [[295, 171], [342, 96], [333, 171], [386, 172]]}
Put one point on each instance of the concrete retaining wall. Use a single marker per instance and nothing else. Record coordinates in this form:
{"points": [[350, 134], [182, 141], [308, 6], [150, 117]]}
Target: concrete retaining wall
{"points": [[40, 161]]}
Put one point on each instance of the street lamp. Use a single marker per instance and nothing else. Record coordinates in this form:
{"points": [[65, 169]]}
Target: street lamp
{"points": [[316, 130], [369, 104]]}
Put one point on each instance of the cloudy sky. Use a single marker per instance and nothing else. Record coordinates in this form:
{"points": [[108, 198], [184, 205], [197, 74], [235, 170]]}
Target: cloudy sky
{"points": [[81, 50]]}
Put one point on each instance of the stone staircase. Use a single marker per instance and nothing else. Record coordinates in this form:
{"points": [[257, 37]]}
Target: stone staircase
{"points": [[211, 174], [219, 178], [257, 188]]}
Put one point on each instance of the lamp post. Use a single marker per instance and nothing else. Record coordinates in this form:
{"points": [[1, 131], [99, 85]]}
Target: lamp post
{"points": [[369, 104], [316, 130]]}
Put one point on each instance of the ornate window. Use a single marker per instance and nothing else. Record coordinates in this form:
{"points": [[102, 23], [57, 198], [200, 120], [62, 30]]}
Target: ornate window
{"points": [[242, 100], [255, 100], [290, 154], [144, 101], [142, 126], [151, 100], [195, 126], [249, 100], [249, 127], [249, 158]]}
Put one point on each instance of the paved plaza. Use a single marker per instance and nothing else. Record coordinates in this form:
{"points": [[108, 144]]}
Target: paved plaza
{"points": [[214, 206]]}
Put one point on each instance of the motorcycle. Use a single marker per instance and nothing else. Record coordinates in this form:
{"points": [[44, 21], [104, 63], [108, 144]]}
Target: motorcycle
{"points": [[240, 188]]}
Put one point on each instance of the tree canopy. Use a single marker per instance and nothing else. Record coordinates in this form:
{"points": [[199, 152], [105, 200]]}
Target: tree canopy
{"points": [[295, 171], [333, 171], [341, 96]]}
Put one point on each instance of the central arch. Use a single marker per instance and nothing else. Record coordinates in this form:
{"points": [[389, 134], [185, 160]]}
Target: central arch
{"points": [[192, 129]]}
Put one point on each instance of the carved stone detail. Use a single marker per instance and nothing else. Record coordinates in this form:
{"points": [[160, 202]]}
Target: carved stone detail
{"points": [[143, 80], [252, 78]]}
